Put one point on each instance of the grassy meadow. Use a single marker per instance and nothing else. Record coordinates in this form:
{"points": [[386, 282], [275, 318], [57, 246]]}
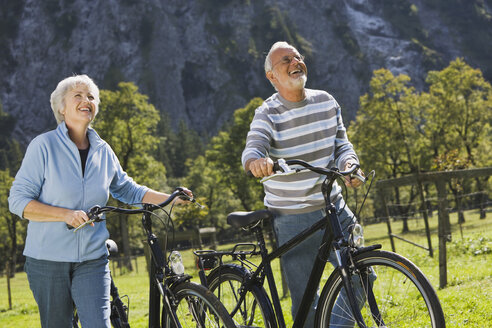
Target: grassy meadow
{"points": [[466, 301]]}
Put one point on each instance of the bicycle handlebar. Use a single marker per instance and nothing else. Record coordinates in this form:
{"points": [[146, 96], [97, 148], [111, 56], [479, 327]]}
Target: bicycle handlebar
{"points": [[95, 211], [284, 166]]}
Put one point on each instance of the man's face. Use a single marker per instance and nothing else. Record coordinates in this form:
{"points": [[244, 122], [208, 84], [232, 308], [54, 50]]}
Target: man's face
{"points": [[289, 72]]}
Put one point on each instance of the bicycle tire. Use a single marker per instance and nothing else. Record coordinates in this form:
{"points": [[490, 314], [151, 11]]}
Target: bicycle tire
{"points": [[404, 296], [196, 306], [119, 318], [256, 310]]}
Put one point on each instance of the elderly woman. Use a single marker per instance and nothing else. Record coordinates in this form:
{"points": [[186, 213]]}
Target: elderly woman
{"points": [[64, 173]]}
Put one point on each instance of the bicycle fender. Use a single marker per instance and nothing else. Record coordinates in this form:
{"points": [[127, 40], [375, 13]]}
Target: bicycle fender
{"points": [[179, 279], [240, 269]]}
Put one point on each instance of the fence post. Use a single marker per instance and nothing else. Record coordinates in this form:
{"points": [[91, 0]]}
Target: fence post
{"points": [[9, 291], [444, 231], [388, 223], [424, 213]]}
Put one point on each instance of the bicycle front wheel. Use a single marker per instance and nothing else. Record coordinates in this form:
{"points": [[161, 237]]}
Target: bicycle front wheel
{"points": [[119, 318], [390, 290], [196, 306], [255, 310]]}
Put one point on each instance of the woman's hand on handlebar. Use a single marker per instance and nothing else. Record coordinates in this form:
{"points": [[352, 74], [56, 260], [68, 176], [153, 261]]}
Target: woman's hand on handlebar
{"points": [[261, 167], [155, 197], [76, 218], [355, 179]]}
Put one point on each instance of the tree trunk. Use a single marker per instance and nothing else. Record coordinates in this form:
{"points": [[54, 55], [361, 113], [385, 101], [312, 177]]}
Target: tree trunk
{"points": [[401, 212], [482, 198], [12, 226], [125, 241], [459, 207]]}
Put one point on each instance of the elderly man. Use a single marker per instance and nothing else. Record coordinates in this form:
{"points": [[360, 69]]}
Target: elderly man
{"points": [[298, 123]]}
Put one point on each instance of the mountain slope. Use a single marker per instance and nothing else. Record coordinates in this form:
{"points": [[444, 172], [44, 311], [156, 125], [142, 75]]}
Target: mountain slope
{"points": [[200, 60]]}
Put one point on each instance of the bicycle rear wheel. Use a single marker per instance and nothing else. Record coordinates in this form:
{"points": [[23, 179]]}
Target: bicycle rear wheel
{"points": [[391, 291], [255, 310], [196, 306]]}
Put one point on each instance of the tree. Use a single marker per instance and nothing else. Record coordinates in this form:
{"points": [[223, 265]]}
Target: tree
{"points": [[224, 154], [11, 232], [461, 111], [459, 120], [386, 133], [8, 226], [204, 179], [176, 147], [128, 123]]}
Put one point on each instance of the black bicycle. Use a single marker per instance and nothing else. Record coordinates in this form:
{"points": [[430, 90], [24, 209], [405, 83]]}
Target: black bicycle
{"points": [[380, 288], [184, 303], [119, 310]]}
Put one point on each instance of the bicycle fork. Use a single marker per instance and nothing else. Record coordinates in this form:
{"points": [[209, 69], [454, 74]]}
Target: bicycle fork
{"points": [[342, 259]]}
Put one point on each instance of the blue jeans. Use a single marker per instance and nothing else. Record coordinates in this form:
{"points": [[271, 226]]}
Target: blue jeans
{"points": [[297, 263], [56, 286]]}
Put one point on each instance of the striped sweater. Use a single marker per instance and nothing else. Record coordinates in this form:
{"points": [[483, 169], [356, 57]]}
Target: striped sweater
{"points": [[311, 130]]}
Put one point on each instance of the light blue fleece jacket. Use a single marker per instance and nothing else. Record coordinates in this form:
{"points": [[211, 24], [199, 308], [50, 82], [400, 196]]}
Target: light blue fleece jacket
{"points": [[51, 173]]}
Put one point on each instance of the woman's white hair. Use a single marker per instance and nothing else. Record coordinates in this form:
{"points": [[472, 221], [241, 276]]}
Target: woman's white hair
{"points": [[57, 98]]}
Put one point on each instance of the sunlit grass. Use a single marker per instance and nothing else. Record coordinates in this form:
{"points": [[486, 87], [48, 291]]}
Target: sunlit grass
{"points": [[466, 300]]}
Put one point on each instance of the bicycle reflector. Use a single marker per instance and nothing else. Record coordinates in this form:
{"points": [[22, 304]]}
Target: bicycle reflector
{"points": [[356, 236], [176, 262]]}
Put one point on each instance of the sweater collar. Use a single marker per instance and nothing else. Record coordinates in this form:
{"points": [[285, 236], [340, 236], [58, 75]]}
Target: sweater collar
{"points": [[94, 139], [292, 105]]}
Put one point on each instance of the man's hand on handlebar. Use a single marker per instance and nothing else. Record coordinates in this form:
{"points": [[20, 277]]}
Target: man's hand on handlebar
{"points": [[356, 179], [261, 167]]}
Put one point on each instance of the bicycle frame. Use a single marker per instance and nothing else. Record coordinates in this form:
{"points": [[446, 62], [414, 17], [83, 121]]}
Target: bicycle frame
{"points": [[332, 239], [159, 287], [159, 280]]}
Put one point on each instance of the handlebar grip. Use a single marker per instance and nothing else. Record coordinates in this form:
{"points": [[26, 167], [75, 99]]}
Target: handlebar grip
{"points": [[276, 167]]}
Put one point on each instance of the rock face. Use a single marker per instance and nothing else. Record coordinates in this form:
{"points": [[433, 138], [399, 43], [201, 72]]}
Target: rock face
{"points": [[199, 60]]}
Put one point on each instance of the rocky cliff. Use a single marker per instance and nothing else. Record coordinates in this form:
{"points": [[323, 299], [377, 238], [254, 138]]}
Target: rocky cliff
{"points": [[199, 60]]}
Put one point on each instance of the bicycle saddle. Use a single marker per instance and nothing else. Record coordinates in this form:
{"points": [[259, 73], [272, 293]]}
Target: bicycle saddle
{"points": [[244, 219]]}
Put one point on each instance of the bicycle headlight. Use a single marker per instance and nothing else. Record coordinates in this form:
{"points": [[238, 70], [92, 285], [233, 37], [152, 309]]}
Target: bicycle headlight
{"points": [[176, 262], [357, 236]]}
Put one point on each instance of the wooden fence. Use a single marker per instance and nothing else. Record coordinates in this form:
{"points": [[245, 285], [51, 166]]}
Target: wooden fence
{"points": [[444, 227]]}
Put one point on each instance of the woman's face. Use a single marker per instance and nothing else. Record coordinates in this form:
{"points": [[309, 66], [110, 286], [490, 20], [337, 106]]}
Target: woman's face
{"points": [[80, 106]]}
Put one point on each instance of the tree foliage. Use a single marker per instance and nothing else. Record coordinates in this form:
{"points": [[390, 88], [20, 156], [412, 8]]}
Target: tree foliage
{"points": [[127, 121], [460, 112], [218, 176], [175, 148], [224, 154], [12, 230], [399, 131]]}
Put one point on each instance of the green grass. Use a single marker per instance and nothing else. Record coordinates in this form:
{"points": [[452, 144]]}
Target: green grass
{"points": [[466, 300]]}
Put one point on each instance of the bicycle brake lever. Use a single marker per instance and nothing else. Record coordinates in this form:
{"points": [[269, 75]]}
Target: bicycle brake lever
{"points": [[359, 177], [193, 200], [282, 166], [84, 224]]}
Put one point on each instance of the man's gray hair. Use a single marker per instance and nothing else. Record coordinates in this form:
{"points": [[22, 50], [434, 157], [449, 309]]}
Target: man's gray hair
{"points": [[275, 46], [57, 98]]}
